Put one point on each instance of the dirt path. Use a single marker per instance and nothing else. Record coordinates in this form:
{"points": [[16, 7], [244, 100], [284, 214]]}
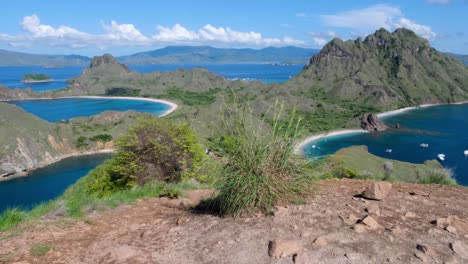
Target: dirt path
{"points": [[166, 231]]}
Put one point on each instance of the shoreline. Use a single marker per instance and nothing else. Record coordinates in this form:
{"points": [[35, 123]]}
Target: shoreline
{"points": [[55, 160], [299, 149], [172, 106]]}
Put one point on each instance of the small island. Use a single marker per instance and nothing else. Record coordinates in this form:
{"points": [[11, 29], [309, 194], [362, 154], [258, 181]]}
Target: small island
{"points": [[36, 78]]}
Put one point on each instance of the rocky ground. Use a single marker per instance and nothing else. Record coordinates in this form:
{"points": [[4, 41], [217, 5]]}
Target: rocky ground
{"points": [[411, 224]]}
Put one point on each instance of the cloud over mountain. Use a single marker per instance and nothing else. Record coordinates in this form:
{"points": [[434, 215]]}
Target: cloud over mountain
{"points": [[115, 34]]}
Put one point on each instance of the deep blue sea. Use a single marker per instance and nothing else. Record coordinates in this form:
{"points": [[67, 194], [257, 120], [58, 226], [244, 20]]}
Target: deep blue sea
{"points": [[54, 110], [444, 128], [46, 183], [11, 76]]}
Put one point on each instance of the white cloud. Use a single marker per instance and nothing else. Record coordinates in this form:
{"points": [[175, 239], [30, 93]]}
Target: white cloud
{"points": [[127, 35], [422, 30], [319, 42], [368, 19], [440, 2]]}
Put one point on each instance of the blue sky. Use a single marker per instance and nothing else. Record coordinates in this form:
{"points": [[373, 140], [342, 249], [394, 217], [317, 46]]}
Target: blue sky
{"points": [[124, 27]]}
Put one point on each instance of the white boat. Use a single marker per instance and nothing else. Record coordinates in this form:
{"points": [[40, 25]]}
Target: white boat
{"points": [[465, 152], [441, 157], [424, 145], [314, 146], [388, 150]]}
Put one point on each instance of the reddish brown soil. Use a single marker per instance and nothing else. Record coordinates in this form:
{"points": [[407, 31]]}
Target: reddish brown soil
{"points": [[167, 231]]}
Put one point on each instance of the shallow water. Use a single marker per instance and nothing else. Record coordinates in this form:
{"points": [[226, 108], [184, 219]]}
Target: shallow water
{"points": [[54, 110], [444, 128]]}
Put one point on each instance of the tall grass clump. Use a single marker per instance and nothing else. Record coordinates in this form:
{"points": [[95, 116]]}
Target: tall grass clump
{"points": [[443, 176], [10, 218], [260, 168]]}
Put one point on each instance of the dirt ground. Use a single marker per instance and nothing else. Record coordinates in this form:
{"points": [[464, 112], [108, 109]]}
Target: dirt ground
{"points": [[329, 228]]}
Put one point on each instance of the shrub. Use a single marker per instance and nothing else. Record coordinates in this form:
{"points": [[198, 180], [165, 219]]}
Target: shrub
{"points": [[442, 176], [81, 142], [261, 168], [39, 249], [101, 137], [154, 150]]}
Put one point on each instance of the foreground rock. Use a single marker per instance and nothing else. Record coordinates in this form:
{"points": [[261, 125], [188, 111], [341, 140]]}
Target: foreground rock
{"points": [[377, 190]]}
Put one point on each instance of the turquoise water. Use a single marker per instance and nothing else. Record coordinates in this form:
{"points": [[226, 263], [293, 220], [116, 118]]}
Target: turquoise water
{"points": [[46, 183], [11, 76], [444, 128], [54, 110]]}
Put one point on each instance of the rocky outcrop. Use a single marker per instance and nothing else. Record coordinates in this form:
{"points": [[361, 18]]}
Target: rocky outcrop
{"points": [[106, 59], [372, 122]]}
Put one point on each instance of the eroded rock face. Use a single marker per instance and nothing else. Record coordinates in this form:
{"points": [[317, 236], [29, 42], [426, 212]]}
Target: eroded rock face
{"points": [[371, 122]]}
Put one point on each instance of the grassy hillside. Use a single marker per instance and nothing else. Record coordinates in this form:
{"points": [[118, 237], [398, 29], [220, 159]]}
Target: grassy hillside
{"points": [[27, 141]]}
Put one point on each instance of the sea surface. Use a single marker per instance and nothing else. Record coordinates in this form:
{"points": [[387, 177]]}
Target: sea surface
{"points": [[46, 183], [54, 110], [444, 128], [11, 76]]}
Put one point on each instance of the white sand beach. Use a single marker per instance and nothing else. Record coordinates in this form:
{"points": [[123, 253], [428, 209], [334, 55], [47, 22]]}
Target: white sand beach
{"points": [[300, 147], [173, 106]]}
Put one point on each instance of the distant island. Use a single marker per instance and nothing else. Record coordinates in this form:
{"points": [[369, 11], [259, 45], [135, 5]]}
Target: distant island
{"points": [[36, 78]]}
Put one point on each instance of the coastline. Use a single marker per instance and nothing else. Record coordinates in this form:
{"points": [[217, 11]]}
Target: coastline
{"points": [[300, 146], [37, 81], [172, 106], [55, 160]]}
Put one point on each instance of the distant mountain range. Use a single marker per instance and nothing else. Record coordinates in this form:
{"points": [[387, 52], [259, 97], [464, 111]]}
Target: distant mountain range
{"points": [[11, 58], [206, 54], [170, 55], [179, 55]]}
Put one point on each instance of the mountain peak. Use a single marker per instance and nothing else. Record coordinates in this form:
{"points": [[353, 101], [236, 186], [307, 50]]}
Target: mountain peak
{"points": [[106, 59]]}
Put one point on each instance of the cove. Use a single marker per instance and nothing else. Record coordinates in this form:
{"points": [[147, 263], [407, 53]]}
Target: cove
{"points": [[55, 110], [443, 127], [46, 183]]}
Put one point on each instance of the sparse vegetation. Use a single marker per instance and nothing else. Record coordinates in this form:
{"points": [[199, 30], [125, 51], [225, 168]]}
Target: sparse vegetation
{"points": [[443, 176], [191, 98], [39, 249], [10, 218]]}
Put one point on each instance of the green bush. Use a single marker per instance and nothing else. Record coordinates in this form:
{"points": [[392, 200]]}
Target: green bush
{"points": [[81, 142], [101, 137], [260, 168], [154, 150]]}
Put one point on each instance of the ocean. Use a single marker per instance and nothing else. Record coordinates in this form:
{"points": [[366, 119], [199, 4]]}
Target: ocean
{"points": [[11, 76], [443, 127]]}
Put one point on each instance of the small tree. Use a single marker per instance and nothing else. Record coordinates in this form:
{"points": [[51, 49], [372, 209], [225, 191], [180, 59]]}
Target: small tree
{"points": [[154, 150]]}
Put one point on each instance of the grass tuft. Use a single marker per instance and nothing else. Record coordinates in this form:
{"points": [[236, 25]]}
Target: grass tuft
{"points": [[443, 176], [39, 249], [11, 218], [261, 169]]}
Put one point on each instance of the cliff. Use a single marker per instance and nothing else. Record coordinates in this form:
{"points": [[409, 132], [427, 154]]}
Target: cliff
{"points": [[28, 142]]}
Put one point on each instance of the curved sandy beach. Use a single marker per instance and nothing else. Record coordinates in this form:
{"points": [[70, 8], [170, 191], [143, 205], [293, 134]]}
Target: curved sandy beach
{"points": [[300, 147]]}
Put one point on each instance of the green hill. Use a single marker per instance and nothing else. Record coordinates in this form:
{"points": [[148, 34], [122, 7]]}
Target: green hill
{"points": [[386, 70], [28, 142]]}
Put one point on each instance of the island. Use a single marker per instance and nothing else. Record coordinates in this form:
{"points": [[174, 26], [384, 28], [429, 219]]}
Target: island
{"points": [[36, 78]]}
